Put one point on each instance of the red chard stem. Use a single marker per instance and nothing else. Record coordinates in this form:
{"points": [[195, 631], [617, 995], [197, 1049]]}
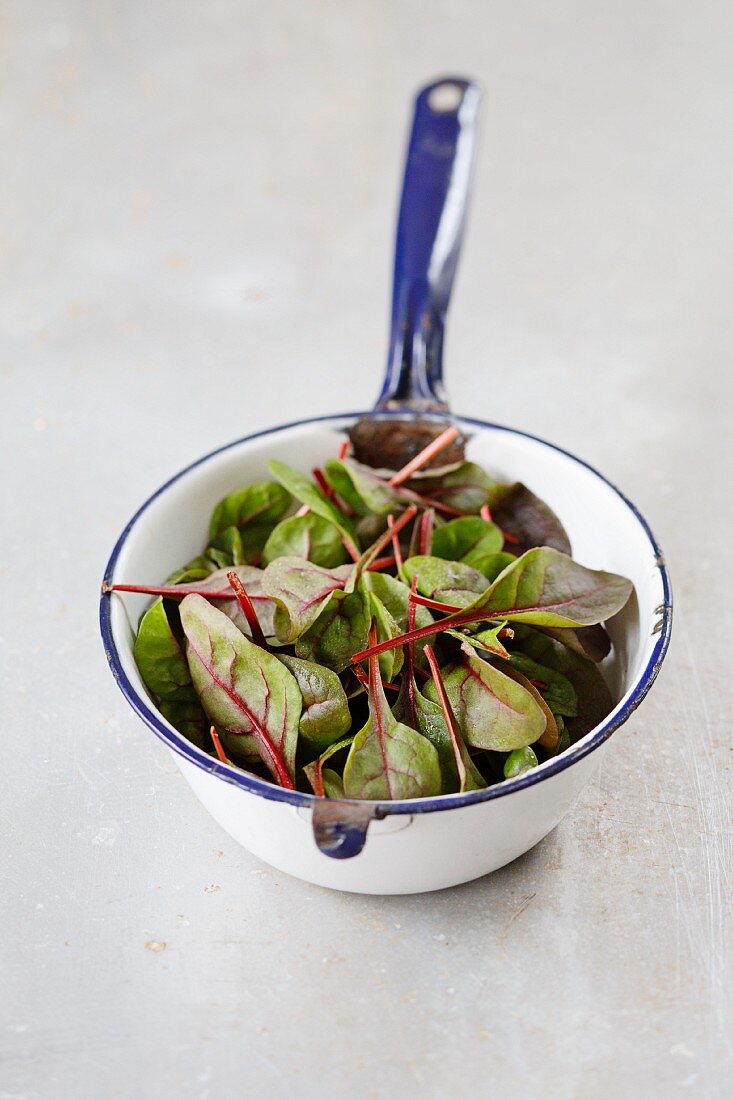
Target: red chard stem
{"points": [[327, 490], [382, 563], [426, 531], [218, 746], [439, 444], [173, 591], [449, 716], [395, 543], [248, 610], [435, 605]]}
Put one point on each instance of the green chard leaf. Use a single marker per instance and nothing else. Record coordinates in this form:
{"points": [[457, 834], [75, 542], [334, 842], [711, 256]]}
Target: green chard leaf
{"points": [[558, 693], [318, 778], [304, 490], [519, 762], [594, 701], [486, 639], [390, 599], [160, 658], [188, 718], [441, 728], [340, 631], [449, 582], [390, 662], [310, 537], [262, 503], [492, 710], [251, 578], [491, 565], [467, 539], [246, 691], [197, 570], [396, 597], [361, 487], [549, 737], [325, 716], [389, 760], [333, 784]]}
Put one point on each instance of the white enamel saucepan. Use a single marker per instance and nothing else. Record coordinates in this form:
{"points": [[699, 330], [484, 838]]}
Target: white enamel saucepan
{"points": [[428, 843]]}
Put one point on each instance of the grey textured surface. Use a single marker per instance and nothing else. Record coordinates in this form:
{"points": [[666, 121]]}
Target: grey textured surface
{"points": [[197, 228]]}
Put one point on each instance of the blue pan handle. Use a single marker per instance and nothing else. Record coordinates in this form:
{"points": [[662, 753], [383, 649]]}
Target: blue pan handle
{"points": [[429, 232]]}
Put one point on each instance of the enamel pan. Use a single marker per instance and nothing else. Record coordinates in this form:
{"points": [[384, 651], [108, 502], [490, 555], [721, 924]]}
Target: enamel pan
{"points": [[428, 843]]}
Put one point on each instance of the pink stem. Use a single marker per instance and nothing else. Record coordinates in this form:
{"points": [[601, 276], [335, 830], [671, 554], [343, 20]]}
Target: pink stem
{"points": [[218, 746], [395, 544], [173, 591], [248, 610], [450, 718], [436, 605], [439, 444]]}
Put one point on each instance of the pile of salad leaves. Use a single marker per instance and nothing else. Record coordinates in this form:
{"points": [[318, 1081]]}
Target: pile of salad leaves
{"points": [[373, 634]]}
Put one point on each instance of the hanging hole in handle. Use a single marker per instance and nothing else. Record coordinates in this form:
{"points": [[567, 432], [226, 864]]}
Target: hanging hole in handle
{"points": [[445, 98]]}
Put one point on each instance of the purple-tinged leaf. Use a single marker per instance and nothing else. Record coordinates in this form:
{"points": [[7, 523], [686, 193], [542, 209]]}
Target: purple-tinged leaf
{"points": [[547, 588], [300, 591], [493, 711], [389, 760], [246, 692], [527, 519]]}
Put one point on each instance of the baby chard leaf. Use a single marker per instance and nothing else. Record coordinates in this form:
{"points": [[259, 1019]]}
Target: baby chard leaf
{"points": [[486, 639], [527, 519], [519, 762], [300, 591], [390, 607], [592, 642], [467, 539], [235, 547], [310, 537], [325, 716], [390, 662], [318, 778], [466, 487], [304, 490], [251, 578], [333, 784], [340, 631], [263, 502], [592, 693], [244, 689], [389, 760], [449, 582], [493, 711], [160, 658], [188, 718], [558, 692], [547, 588], [491, 565], [360, 487], [468, 776], [549, 737]]}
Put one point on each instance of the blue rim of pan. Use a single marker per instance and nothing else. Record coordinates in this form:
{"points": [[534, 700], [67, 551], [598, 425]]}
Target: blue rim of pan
{"points": [[144, 708]]}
